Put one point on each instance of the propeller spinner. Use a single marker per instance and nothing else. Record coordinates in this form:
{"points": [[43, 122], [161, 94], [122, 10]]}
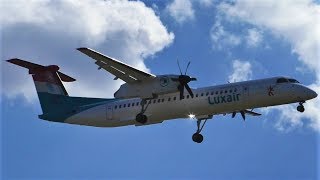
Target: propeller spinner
{"points": [[183, 80]]}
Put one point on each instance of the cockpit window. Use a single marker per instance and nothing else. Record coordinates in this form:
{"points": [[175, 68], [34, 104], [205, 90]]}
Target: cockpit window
{"points": [[282, 80], [293, 81]]}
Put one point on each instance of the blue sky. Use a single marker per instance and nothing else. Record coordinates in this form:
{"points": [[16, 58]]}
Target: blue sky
{"points": [[224, 40]]}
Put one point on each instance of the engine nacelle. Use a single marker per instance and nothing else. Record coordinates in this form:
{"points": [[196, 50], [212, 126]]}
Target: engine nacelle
{"points": [[148, 89]]}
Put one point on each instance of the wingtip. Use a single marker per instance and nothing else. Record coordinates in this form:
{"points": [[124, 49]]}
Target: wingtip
{"points": [[13, 60], [81, 48]]}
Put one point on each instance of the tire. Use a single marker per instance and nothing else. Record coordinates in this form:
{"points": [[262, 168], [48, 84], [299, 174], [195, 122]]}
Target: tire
{"points": [[197, 137], [300, 108], [141, 118]]}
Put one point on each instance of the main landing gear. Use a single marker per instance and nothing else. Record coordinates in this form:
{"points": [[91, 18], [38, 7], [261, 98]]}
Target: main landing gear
{"points": [[300, 108], [141, 118], [197, 137]]}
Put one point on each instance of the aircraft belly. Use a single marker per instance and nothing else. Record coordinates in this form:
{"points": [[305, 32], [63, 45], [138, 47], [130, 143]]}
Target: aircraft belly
{"points": [[95, 116]]}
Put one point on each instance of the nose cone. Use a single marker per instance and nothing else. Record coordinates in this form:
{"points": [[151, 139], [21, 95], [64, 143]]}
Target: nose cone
{"points": [[312, 94]]}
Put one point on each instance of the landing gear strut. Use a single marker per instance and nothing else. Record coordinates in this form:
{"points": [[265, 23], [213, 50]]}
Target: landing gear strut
{"points": [[300, 108], [197, 137], [141, 118]]}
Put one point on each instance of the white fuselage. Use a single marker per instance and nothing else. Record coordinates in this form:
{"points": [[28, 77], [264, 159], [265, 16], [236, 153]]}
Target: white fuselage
{"points": [[207, 101]]}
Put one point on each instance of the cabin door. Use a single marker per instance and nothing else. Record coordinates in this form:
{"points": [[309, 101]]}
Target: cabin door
{"points": [[109, 112], [246, 94]]}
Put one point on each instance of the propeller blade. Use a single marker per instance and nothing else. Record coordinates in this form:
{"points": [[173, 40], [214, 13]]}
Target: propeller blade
{"points": [[181, 92], [185, 73], [243, 115], [189, 90], [179, 67], [234, 114]]}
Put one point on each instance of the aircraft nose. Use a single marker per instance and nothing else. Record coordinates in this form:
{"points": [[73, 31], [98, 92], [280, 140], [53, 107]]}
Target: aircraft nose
{"points": [[312, 94]]}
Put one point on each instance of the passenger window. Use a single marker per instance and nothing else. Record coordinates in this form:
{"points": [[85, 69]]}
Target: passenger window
{"points": [[124, 105], [169, 99], [201, 94], [129, 105], [282, 80], [132, 104], [217, 92], [116, 107], [154, 101], [235, 90], [174, 98], [197, 95], [159, 100], [162, 100], [212, 93], [207, 93], [226, 91], [119, 106], [230, 91], [221, 92], [137, 103], [187, 96]]}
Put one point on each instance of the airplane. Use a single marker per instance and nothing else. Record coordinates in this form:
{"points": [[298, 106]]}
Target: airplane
{"points": [[146, 99]]}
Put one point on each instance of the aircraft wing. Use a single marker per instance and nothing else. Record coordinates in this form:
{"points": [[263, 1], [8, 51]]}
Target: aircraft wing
{"points": [[117, 68]]}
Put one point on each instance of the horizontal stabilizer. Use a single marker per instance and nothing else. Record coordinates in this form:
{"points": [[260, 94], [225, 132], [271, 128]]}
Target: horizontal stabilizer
{"points": [[34, 68]]}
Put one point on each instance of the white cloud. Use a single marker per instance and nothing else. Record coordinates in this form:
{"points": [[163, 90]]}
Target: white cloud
{"points": [[181, 10], [48, 31], [253, 37], [221, 38], [241, 71], [297, 22]]}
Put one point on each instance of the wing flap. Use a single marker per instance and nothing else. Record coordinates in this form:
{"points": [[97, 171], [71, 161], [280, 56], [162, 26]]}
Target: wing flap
{"points": [[116, 72]]}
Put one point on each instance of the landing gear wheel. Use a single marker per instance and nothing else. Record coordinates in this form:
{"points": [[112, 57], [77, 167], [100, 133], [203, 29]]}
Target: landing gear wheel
{"points": [[197, 137], [141, 118], [300, 108]]}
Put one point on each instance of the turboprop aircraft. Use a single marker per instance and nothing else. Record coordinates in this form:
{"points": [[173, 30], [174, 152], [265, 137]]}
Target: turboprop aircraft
{"points": [[146, 99]]}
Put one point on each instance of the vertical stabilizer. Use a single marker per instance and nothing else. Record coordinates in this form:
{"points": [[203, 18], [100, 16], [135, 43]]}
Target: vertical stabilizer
{"points": [[47, 80]]}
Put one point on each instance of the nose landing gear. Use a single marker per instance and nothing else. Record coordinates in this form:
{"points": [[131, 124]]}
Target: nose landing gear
{"points": [[300, 108], [197, 137]]}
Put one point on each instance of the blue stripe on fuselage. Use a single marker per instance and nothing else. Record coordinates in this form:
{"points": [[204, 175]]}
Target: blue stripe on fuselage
{"points": [[59, 107]]}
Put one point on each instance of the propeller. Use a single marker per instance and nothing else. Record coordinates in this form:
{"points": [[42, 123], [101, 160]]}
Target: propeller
{"points": [[244, 112], [183, 80]]}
